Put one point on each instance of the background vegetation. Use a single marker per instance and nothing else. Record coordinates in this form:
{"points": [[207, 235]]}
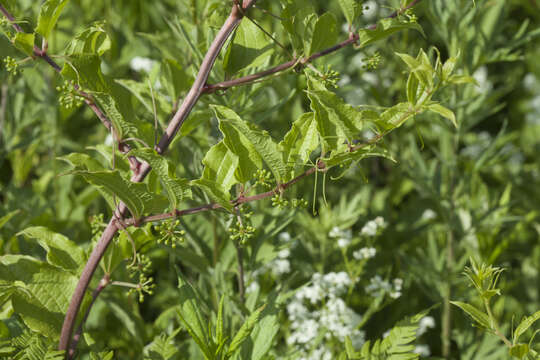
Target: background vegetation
{"points": [[376, 243]]}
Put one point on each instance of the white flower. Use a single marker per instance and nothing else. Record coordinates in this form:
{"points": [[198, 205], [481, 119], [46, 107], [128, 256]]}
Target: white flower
{"points": [[428, 214], [280, 266], [398, 283], [379, 220], [370, 10], [530, 81], [364, 253], [422, 350], [253, 287], [139, 63], [284, 254], [335, 232], [306, 332], [427, 322], [369, 229], [109, 140], [284, 237], [481, 77], [343, 242]]}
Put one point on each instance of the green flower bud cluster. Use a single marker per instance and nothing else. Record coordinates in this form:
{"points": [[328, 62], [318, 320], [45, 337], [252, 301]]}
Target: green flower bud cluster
{"points": [[12, 66], [330, 77], [262, 178], [372, 62], [140, 269], [169, 233], [69, 97], [241, 231], [279, 201], [411, 16]]}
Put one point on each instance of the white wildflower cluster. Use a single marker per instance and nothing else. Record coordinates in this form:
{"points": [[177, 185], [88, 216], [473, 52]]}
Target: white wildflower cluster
{"points": [[364, 253], [532, 84], [481, 77], [139, 63], [372, 227], [317, 309], [428, 215], [343, 237], [378, 287], [278, 266], [370, 10], [426, 323], [422, 350]]}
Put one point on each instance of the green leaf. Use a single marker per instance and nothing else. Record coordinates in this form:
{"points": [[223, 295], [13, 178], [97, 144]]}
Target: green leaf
{"points": [[142, 92], [60, 250], [525, 324], [518, 350], [191, 316], [135, 196], [298, 19], [177, 189], [413, 89], [220, 165], [350, 9], [345, 158], [245, 330], [449, 66], [4, 219], [481, 318], [218, 176], [93, 40], [220, 324], [174, 79], [462, 79], [395, 116], [249, 48], [42, 292], [25, 43], [384, 29], [48, 16], [398, 345], [108, 104], [84, 161], [251, 145], [444, 112], [300, 141], [85, 71], [337, 121], [264, 333], [420, 67], [215, 192], [325, 33]]}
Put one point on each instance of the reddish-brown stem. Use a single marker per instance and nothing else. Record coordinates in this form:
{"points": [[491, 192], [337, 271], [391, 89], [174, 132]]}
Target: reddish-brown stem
{"points": [[212, 88], [189, 102], [103, 283], [241, 200], [42, 53]]}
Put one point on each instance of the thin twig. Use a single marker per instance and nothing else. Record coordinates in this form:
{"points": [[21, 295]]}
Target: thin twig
{"points": [[88, 99], [3, 107], [103, 283], [353, 38], [240, 259], [108, 234]]}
